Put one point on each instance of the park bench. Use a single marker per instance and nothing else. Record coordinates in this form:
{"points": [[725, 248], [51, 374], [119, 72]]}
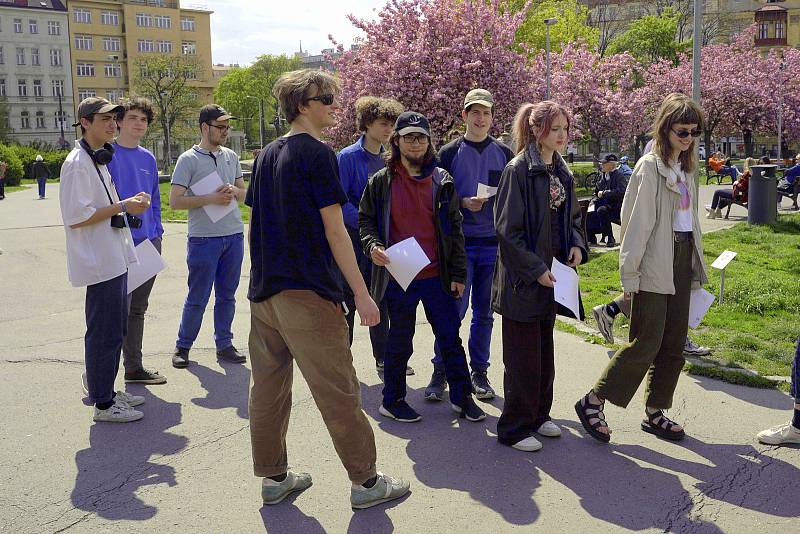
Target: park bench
{"points": [[792, 195], [731, 203]]}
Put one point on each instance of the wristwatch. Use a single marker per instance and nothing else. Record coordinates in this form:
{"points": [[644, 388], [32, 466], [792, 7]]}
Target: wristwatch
{"points": [[123, 207]]}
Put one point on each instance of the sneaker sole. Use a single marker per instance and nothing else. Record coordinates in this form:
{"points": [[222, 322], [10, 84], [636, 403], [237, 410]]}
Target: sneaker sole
{"points": [[151, 381], [485, 395], [533, 448], [118, 420], [377, 502], [600, 326], [386, 413], [296, 489], [180, 365]]}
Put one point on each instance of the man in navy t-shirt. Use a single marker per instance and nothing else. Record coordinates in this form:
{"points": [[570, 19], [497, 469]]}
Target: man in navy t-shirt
{"points": [[298, 246], [476, 162]]}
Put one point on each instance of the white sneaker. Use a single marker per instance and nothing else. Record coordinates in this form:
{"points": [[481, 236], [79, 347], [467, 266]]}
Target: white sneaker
{"points": [[130, 400], [605, 323], [693, 349], [780, 435], [119, 412], [529, 444], [549, 429]]}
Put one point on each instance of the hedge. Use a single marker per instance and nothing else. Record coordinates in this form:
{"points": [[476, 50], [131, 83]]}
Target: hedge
{"points": [[26, 156], [14, 172]]}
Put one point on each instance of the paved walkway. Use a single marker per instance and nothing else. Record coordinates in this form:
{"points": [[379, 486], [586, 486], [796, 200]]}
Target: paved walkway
{"points": [[186, 467]]}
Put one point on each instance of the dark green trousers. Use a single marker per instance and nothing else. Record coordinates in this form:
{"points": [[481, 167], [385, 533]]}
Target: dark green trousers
{"points": [[658, 331]]}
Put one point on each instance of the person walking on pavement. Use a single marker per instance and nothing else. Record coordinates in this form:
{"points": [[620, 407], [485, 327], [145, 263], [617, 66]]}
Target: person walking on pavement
{"points": [[375, 118], [472, 159], [133, 169], [661, 259], [215, 249], [41, 173], [413, 198], [538, 217], [99, 250], [298, 247], [788, 433]]}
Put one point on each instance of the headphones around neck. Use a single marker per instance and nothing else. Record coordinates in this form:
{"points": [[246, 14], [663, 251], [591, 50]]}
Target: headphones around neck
{"points": [[101, 156]]}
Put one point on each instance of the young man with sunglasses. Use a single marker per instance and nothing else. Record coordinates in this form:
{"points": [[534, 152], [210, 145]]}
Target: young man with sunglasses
{"points": [[99, 250], [475, 159], [299, 251], [215, 250]]}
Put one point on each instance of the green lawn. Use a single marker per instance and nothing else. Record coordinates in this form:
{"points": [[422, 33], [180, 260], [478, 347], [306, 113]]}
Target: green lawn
{"points": [[757, 324], [170, 215], [23, 185]]}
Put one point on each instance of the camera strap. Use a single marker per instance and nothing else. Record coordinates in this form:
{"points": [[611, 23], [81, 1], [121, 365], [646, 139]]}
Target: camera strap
{"points": [[108, 193]]}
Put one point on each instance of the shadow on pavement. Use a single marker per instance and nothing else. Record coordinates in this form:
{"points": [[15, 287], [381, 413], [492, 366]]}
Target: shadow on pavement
{"points": [[768, 398], [229, 389], [117, 463], [287, 518]]}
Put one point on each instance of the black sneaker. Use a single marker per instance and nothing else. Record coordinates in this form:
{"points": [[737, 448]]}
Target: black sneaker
{"points": [[144, 376], [379, 365], [180, 358], [400, 411], [437, 385], [231, 355], [481, 386], [469, 410]]}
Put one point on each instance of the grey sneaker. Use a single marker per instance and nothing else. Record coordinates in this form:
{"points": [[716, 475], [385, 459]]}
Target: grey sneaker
{"points": [[437, 385], [605, 323], [180, 358], [119, 412], [385, 489], [693, 349], [274, 492], [130, 400], [780, 435], [481, 385]]}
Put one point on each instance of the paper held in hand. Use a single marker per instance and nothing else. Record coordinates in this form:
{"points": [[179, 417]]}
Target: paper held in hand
{"points": [[485, 191], [699, 303], [566, 286], [150, 264], [208, 185], [407, 260]]}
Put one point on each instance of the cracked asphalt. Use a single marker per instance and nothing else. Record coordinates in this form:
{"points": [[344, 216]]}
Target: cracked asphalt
{"points": [[186, 467]]}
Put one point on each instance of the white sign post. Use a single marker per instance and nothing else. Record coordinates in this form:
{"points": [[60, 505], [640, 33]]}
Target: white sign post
{"points": [[720, 263]]}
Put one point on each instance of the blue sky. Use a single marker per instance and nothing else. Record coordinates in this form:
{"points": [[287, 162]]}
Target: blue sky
{"points": [[241, 30]]}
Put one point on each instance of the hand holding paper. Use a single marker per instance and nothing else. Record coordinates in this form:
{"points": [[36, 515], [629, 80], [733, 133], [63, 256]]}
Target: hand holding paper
{"points": [[212, 184], [699, 304], [407, 259], [485, 191], [566, 287]]}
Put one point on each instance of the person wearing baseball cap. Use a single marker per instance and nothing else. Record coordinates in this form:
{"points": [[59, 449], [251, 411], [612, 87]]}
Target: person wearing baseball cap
{"points": [[609, 192], [398, 204], [475, 160], [215, 249], [99, 250]]}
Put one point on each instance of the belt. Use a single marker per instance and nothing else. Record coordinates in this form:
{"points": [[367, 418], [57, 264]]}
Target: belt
{"points": [[680, 237]]}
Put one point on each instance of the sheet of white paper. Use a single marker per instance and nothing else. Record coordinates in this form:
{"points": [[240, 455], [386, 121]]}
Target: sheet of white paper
{"points": [[208, 185], [724, 259], [699, 304], [566, 286], [407, 260], [150, 264], [590, 208], [485, 191]]}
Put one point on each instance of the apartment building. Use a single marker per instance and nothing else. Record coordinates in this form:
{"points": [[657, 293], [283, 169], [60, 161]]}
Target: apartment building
{"points": [[35, 76], [107, 36]]}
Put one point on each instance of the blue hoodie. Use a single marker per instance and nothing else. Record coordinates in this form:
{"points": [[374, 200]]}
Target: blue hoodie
{"points": [[356, 165]]}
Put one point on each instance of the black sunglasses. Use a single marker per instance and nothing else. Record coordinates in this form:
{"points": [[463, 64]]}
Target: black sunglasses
{"points": [[683, 134], [326, 100]]}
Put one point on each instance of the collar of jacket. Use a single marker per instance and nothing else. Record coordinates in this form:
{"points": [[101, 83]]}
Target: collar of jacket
{"points": [[364, 150], [428, 170], [669, 173], [535, 163]]}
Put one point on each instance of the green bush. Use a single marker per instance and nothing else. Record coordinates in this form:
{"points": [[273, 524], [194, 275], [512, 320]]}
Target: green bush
{"points": [[27, 155], [14, 171]]}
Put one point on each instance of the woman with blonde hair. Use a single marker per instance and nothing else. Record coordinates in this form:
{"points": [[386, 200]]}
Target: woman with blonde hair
{"points": [[723, 197], [537, 219], [661, 259]]}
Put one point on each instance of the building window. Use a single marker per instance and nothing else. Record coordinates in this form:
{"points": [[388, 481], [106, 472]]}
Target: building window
{"points": [[2, 59], [144, 20], [763, 30], [188, 48], [53, 27], [58, 88], [22, 88], [60, 117], [187, 24], [40, 119], [780, 30], [25, 120], [55, 57], [83, 42], [35, 56], [37, 88], [162, 21], [2, 87], [83, 94], [110, 17], [17, 25], [145, 45], [113, 70], [33, 26], [20, 56], [83, 15], [85, 69], [111, 44], [114, 95], [164, 47]]}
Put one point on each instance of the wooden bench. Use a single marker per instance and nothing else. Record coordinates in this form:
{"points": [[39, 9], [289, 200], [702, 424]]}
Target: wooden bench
{"points": [[731, 203], [792, 195]]}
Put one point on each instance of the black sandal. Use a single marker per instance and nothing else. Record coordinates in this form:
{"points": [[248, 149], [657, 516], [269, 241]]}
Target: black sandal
{"points": [[660, 425], [582, 408]]}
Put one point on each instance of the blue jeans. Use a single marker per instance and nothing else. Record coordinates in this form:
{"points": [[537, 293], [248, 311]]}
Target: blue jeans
{"points": [[106, 327], [480, 270], [217, 262], [441, 311], [42, 182], [796, 373]]}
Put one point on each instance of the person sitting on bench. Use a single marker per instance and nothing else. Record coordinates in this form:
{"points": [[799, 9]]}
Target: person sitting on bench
{"points": [[610, 190], [738, 193]]}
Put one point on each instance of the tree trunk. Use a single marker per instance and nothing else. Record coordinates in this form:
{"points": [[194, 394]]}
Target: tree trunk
{"points": [[747, 135], [707, 141], [596, 151]]}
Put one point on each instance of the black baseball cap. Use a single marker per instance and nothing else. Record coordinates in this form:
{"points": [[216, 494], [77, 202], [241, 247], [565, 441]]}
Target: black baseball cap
{"points": [[213, 112], [412, 122], [95, 104], [609, 158]]}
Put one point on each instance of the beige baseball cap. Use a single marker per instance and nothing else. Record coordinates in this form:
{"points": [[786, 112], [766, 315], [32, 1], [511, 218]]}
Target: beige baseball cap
{"points": [[479, 96], [95, 104]]}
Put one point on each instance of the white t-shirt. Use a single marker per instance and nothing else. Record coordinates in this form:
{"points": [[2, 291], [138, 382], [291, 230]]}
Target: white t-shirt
{"points": [[98, 252], [682, 219]]}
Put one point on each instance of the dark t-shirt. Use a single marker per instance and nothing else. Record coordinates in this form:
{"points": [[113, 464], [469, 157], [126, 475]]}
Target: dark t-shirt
{"points": [[295, 177]]}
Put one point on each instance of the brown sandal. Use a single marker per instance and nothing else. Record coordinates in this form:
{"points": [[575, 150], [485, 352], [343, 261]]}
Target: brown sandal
{"points": [[660, 425], [586, 411]]}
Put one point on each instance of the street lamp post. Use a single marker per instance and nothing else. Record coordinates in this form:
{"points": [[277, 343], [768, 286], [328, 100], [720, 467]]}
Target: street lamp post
{"points": [[547, 23], [62, 142], [261, 127], [115, 59], [697, 37], [781, 68], [164, 107]]}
